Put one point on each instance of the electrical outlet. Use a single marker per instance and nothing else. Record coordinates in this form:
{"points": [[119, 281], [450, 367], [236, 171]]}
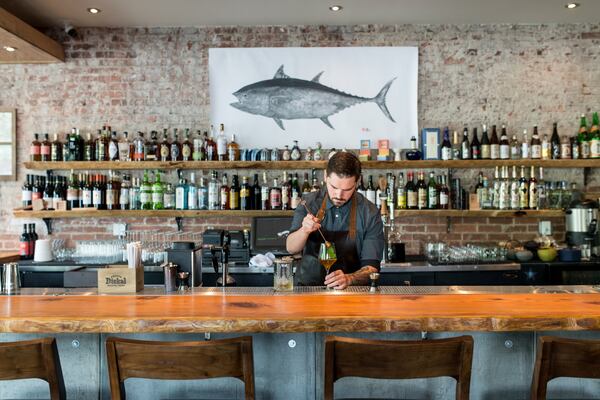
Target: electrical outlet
{"points": [[545, 228], [119, 230]]}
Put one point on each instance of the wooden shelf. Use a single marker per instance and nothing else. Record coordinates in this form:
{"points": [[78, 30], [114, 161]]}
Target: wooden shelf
{"points": [[290, 165], [93, 213]]}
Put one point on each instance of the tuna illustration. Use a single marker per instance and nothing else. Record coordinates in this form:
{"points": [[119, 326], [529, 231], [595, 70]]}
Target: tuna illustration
{"points": [[288, 98]]}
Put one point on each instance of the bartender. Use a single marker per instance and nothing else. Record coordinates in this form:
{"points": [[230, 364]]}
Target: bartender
{"points": [[347, 219]]}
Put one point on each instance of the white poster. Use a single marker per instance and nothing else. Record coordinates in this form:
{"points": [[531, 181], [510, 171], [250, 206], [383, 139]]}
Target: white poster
{"points": [[269, 97]]}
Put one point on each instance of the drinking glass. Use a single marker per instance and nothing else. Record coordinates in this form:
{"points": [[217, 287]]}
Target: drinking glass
{"points": [[327, 256]]}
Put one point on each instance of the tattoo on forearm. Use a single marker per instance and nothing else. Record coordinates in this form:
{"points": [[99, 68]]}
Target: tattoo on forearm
{"points": [[361, 277]]}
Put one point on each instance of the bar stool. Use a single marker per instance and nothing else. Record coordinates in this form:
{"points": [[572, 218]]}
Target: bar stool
{"points": [[128, 358], [392, 359], [561, 357], [33, 359]]}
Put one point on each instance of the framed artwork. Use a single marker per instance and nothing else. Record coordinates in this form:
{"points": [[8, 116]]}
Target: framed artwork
{"points": [[430, 143], [8, 145]]}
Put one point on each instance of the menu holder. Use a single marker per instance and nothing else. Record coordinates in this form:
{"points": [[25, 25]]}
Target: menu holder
{"points": [[120, 279]]}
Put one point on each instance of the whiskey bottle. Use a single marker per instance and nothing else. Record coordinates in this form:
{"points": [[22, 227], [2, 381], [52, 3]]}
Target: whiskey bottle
{"points": [[113, 147], [245, 197], [34, 149], [152, 148], [56, 151], [45, 148], [233, 150], [224, 193], [165, 147], [256, 194], [234, 194]]}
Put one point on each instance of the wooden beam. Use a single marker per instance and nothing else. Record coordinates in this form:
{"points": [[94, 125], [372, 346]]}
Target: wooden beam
{"points": [[33, 47]]}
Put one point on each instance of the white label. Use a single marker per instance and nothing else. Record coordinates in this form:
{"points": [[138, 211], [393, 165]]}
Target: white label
{"points": [[504, 152], [110, 197], [285, 195], [446, 153], [72, 194], [145, 197], [525, 150], [536, 151], [495, 151], [87, 197], [96, 197], [443, 199], [157, 197], [26, 195], [371, 196], [113, 150], [411, 199], [179, 201], [192, 199], [124, 198], [422, 198]]}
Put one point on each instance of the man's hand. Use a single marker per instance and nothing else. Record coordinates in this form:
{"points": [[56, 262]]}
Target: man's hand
{"points": [[338, 280], [310, 223]]}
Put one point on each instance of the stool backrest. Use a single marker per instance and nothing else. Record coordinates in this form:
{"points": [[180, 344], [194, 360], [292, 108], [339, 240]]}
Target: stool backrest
{"points": [[561, 357], [33, 359], [391, 359], [129, 358]]}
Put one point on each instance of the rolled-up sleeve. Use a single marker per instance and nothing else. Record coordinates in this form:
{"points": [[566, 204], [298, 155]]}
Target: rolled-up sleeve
{"points": [[299, 215], [372, 244]]}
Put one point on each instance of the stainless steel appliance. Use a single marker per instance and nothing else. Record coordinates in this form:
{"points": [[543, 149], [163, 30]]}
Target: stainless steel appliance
{"points": [[582, 224], [189, 259]]}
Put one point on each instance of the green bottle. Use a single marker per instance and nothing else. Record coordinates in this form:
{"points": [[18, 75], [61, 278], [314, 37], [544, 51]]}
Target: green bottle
{"points": [[583, 138], [146, 193], [594, 137], [158, 191]]}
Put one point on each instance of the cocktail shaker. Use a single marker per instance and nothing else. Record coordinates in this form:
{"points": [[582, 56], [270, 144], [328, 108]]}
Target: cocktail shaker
{"points": [[11, 278]]}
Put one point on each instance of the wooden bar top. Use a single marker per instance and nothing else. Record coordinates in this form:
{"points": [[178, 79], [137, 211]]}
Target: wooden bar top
{"points": [[8, 256], [320, 312]]}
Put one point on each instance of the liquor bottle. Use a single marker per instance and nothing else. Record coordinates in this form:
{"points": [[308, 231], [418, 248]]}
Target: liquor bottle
{"points": [[523, 191], [533, 191], [113, 147], [444, 194], [495, 145], [479, 190], [181, 194], [594, 136], [411, 193], [446, 146], [525, 150], [475, 146], [152, 148], [169, 197], [583, 139], [378, 195], [71, 151], [192, 193], [455, 146], [574, 148], [541, 191], [72, 192], [24, 243], [546, 148], [514, 190], [213, 192], [124, 192], [421, 191], [89, 152], [158, 193], [371, 192], [234, 194], [203, 195], [135, 202], [224, 193], [264, 193], [101, 146], [233, 150], [306, 184], [413, 153], [26, 192], [98, 193], [486, 200], [401, 192], [33, 237], [164, 148], [432, 192], [175, 147], [286, 155], [211, 146], [45, 148], [295, 154], [555, 143], [256, 194], [48, 194], [87, 192], [495, 195], [515, 148], [485, 150], [504, 145], [145, 193], [315, 183], [536, 145], [79, 146], [198, 151], [296, 193], [565, 147], [245, 195], [124, 148], [275, 196], [465, 146], [286, 189], [361, 189], [186, 147], [222, 144], [112, 192], [37, 189], [504, 190], [56, 151], [34, 149]]}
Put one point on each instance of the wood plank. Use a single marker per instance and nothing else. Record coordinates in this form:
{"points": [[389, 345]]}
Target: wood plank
{"points": [[202, 312], [9, 256], [290, 165], [481, 213], [32, 45]]}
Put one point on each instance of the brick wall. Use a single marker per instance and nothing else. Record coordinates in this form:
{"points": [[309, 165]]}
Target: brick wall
{"points": [[150, 78]]}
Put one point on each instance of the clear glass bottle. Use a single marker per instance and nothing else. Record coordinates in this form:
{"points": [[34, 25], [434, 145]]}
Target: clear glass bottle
{"points": [[318, 155], [113, 147], [514, 190], [525, 150], [274, 154], [198, 147], [169, 197], [222, 144], [286, 155], [213, 192], [203, 195], [295, 154], [546, 147], [175, 147], [124, 148], [139, 147], [192, 193], [134, 195], [125, 193], [515, 148], [181, 195], [309, 155], [186, 147]]}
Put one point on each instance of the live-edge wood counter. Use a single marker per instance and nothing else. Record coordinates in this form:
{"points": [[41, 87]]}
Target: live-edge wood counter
{"points": [[204, 311]]}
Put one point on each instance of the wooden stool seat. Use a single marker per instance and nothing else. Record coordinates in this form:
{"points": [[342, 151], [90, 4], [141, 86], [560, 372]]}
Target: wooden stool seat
{"points": [[560, 357], [128, 358], [33, 359], [392, 359]]}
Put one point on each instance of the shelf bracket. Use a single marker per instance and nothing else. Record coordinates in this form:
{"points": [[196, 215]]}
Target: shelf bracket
{"points": [[179, 221], [48, 222], [448, 225]]}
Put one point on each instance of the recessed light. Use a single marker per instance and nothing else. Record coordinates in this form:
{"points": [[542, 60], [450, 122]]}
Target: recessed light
{"points": [[10, 48], [94, 10], [336, 8], [571, 6]]}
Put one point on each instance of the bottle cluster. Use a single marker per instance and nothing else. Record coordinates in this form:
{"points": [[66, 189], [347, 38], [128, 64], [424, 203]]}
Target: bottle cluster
{"points": [[27, 242]]}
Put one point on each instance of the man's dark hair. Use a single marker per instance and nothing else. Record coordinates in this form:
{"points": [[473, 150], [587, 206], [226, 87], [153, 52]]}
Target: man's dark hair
{"points": [[345, 165]]}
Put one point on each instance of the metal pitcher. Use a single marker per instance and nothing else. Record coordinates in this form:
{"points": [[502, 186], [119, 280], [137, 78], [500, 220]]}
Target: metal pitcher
{"points": [[11, 278]]}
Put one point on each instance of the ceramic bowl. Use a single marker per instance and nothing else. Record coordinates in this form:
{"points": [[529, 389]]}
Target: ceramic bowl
{"points": [[547, 254], [524, 255]]}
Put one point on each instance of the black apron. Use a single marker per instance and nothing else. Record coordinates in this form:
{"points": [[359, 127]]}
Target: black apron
{"points": [[311, 272]]}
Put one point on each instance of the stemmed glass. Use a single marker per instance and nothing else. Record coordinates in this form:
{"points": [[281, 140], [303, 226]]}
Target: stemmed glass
{"points": [[327, 256]]}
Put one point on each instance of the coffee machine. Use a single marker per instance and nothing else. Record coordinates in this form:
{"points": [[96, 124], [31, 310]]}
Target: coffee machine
{"points": [[189, 259], [582, 225]]}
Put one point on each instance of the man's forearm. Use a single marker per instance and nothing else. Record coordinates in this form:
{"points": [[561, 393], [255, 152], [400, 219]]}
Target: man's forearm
{"points": [[361, 277], [296, 241]]}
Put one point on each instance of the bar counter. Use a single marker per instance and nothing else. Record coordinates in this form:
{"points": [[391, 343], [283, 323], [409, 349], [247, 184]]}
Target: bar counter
{"points": [[392, 309]]}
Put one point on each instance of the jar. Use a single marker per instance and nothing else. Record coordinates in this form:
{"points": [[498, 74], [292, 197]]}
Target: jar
{"points": [[283, 274]]}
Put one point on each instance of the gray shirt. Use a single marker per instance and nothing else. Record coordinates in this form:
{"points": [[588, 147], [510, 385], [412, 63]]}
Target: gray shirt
{"points": [[369, 228]]}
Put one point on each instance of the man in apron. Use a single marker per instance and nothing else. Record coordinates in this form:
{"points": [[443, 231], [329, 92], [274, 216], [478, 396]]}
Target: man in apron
{"points": [[347, 219]]}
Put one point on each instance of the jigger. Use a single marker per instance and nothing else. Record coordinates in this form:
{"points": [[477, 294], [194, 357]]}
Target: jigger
{"points": [[374, 276]]}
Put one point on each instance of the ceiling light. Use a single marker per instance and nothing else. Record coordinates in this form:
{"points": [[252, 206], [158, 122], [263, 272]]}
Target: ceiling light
{"points": [[570, 6], [93, 10], [335, 8], [10, 48]]}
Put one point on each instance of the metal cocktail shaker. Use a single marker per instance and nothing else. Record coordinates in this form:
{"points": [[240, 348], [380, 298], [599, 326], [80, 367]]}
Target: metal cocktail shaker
{"points": [[170, 271], [11, 278]]}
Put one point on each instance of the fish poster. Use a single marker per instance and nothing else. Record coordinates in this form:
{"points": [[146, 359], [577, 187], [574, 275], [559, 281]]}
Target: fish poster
{"points": [[269, 97]]}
